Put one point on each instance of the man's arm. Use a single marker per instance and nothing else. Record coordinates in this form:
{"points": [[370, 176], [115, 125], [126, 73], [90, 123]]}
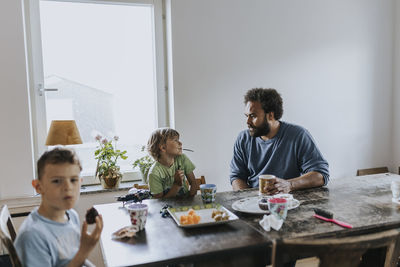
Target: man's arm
{"points": [[308, 180], [238, 166], [311, 161], [239, 184]]}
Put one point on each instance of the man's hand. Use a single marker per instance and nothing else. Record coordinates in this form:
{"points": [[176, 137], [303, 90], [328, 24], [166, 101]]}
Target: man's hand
{"points": [[283, 186], [280, 186], [178, 177], [308, 180]]}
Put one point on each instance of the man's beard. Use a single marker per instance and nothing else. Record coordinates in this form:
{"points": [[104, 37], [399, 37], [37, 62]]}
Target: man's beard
{"points": [[261, 130]]}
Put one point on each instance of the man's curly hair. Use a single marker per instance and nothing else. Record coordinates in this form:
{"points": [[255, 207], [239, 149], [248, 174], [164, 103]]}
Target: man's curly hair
{"points": [[58, 155], [159, 137], [270, 99]]}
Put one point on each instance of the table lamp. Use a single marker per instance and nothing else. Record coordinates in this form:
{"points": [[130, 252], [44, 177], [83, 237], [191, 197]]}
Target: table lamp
{"points": [[63, 132]]}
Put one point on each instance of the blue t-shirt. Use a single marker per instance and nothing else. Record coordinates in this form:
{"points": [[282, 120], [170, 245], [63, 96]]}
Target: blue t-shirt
{"points": [[42, 242], [291, 153]]}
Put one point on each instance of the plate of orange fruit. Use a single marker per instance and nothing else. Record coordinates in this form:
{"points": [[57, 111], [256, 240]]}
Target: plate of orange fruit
{"points": [[197, 216]]}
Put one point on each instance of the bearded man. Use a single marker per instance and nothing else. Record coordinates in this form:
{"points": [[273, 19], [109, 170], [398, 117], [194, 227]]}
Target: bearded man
{"points": [[272, 146]]}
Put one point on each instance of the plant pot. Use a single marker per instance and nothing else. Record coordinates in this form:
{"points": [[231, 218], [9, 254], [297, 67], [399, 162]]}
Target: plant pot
{"points": [[112, 179], [110, 183]]}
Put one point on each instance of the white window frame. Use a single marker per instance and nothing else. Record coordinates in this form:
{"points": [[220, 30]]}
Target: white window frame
{"points": [[36, 77]]}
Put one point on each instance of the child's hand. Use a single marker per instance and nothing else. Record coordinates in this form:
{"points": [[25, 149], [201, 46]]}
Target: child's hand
{"points": [[178, 177], [89, 240]]}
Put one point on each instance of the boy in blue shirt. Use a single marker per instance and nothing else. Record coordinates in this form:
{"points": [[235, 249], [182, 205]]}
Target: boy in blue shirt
{"points": [[50, 235]]}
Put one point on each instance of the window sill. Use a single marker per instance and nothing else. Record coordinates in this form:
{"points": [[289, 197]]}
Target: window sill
{"points": [[88, 179], [94, 189], [26, 204]]}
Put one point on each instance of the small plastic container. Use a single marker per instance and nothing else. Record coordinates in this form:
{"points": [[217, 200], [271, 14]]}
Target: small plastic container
{"points": [[278, 207]]}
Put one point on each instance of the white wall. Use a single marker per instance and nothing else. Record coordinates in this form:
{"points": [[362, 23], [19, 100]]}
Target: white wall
{"points": [[396, 89], [331, 61], [15, 132]]}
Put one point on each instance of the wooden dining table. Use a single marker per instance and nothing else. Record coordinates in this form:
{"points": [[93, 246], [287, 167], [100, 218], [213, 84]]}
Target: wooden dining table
{"points": [[162, 242], [365, 202]]}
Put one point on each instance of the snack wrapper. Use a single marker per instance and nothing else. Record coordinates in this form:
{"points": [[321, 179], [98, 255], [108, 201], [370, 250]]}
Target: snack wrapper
{"points": [[125, 232]]}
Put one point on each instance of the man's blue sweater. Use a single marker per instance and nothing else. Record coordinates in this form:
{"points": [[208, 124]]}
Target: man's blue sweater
{"points": [[291, 153]]}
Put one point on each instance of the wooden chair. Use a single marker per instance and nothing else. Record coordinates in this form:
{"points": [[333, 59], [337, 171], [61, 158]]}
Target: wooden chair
{"points": [[372, 171], [344, 252], [8, 235], [199, 181]]}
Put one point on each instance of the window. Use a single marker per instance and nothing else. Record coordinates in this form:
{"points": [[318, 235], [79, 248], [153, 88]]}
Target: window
{"points": [[101, 64]]}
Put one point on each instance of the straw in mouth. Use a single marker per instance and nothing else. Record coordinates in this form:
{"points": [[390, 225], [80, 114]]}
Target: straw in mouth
{"points": [[186, 149]]}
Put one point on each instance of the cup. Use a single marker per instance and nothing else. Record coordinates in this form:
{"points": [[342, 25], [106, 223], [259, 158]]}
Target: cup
{"points": [[278, 207], [138, 214], [395, 186], [265, 180], [208, 192], [288, 197]]}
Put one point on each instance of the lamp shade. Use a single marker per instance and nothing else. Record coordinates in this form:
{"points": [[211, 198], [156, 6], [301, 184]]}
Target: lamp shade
{"points": [[63, 132]]}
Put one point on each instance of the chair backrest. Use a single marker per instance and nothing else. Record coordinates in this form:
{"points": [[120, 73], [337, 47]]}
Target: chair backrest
{"points": [[372, 171], [199, 181], [344, 252], [141, 186], [8, 235], [6, 225]]}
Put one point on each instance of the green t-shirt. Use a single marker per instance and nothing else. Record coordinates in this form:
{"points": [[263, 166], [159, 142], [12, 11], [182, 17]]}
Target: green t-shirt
{"points": [[161, 178]]}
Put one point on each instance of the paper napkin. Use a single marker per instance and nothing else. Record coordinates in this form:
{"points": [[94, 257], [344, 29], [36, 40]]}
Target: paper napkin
{"points": [[271, 221]]}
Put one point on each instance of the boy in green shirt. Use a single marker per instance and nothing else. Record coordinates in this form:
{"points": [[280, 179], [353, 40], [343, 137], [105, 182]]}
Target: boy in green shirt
{"points": [[168, 173]]}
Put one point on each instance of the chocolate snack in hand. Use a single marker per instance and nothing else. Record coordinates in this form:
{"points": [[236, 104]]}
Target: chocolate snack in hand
{"points": [[91, 215]]}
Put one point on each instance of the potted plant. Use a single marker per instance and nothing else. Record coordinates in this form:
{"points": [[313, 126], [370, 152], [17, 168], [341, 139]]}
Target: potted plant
{"points": [[144, 163], [107, 169]]}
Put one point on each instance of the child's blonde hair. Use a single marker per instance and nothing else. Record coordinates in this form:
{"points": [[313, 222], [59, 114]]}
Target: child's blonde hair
{"points": [[159, 137]]}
